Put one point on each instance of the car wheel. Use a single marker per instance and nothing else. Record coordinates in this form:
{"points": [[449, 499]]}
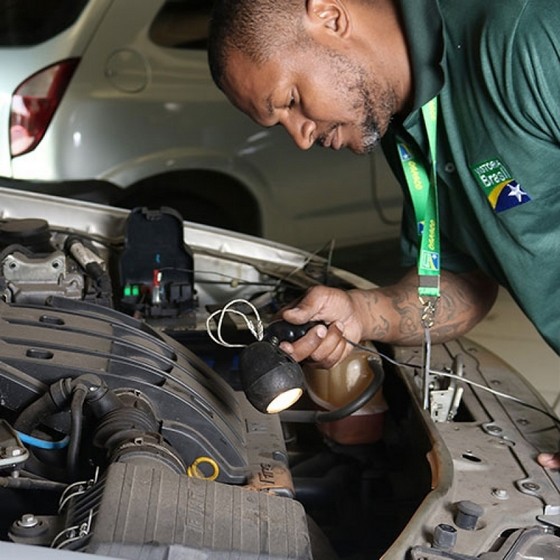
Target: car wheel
{"points": [[205, 198]]}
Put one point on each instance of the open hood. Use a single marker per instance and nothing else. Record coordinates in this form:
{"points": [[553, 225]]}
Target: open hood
{"points": [[126, 429]]}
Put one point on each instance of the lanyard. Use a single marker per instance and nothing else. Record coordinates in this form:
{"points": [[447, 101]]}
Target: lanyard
{"points": [[422, 185]]}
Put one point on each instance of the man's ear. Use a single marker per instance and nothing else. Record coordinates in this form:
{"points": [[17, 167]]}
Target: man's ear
{"points": [[328, 15]]}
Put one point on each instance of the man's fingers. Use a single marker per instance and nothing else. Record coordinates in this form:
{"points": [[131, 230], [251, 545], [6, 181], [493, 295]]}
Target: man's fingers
{"points": [[298, 315], [327, 356], [306, 345], [549, 460], [323, 345], [320, 303]]}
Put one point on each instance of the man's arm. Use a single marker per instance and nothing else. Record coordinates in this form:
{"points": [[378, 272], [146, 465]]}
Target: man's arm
{"points": [[389, 314]]}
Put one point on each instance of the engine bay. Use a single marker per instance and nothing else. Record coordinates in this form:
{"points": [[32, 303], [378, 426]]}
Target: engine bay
{"points": [[125, 430]]}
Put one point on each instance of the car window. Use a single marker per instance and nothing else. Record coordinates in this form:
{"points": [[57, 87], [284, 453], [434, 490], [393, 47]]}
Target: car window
{"points": [[182, 24], [30, 22]]}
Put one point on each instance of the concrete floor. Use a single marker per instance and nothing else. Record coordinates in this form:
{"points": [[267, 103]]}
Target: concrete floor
{"points": [[505, 331]]}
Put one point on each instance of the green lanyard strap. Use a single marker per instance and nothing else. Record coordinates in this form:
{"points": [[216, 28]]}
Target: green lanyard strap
{"points": [[423, 191]]}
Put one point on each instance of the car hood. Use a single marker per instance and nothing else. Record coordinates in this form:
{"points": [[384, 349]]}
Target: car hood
{"points": [[390, 478]]}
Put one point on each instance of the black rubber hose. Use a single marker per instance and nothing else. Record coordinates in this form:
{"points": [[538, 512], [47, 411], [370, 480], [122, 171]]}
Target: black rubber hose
{"points": [[77, 417], [312, 416], [329, 488], [316, 465], [23, 483], [32, 416]]}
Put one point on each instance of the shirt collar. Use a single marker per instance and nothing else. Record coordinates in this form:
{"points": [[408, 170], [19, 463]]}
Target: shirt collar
{"points": [[424, 32]]}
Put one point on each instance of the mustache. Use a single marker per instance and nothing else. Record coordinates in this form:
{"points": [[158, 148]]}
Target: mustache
{"points": [[322, 138]]}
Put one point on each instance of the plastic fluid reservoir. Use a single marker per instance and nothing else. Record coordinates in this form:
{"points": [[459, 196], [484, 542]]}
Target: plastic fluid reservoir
{"points": [[333, 388]]}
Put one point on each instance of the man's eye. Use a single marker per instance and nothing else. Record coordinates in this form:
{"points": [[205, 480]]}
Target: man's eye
{"points": [[292, 102]]}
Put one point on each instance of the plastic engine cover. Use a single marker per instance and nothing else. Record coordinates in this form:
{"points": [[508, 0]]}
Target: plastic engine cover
{"points": [[135, 510]]}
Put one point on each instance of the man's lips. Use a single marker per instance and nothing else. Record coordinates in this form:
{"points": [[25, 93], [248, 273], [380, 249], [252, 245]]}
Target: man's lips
{"points": [[336, 141], [332, 139]]}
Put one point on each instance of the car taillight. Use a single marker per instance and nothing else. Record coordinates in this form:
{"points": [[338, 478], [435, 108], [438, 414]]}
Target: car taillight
{"points": [[34, 103]]}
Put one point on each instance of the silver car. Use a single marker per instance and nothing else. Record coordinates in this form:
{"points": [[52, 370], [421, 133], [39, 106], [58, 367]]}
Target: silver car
{"points": [[112, 101]]}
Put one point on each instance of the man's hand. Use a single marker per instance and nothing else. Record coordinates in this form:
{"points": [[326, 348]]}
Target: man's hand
{"points": [[325, 344], [389, 314], [549, 460]]}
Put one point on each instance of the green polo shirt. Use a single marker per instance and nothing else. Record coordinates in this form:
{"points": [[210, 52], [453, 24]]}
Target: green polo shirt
{"points": [[495, 66]]}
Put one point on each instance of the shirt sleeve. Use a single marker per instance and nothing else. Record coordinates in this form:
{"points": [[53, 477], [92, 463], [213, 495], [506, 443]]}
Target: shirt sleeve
{"points": [[533, 81]]}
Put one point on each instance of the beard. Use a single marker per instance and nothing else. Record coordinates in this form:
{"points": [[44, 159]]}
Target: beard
{"points": [[370, 131], [373, 104], [377, 107]]}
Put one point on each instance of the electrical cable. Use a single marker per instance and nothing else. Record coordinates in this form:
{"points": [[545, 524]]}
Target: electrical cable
{"points": [[497, 393], [552, 417], [257, 330], [308, 259], [232, 279], [305, 415]]}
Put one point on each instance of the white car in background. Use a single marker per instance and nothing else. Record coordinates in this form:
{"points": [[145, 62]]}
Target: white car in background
{"points": [[112, 101]]}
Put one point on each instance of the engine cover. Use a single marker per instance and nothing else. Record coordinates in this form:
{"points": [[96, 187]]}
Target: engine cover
{"points": [[199, 416]]}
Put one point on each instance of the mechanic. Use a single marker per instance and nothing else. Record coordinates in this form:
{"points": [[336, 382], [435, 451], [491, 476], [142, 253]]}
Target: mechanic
{"points": [[475, 86]]}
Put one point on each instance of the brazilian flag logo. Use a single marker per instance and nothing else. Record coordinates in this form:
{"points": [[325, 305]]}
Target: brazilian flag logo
{"points": [[502, 191], [404, 152]]}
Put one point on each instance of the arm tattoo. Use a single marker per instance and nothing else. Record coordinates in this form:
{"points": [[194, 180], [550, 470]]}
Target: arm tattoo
{"points": [[396, 310]]}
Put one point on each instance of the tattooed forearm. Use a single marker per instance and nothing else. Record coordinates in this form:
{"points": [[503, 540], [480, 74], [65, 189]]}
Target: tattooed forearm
{"points": [[465, 300], [394, 312], [407, 310]]}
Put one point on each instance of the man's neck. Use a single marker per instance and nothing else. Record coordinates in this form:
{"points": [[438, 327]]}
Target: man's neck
{"points": [[380, 26]]}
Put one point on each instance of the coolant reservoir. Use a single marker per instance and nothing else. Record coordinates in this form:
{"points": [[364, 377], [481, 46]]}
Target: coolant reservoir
{"points": [[333, 388]]}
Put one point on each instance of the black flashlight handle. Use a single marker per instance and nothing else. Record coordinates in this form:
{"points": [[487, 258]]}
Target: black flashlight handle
{"points": [[281, 330]]}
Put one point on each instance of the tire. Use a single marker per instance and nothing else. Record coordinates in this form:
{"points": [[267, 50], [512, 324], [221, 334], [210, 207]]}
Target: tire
{"points": [[205, 198]]}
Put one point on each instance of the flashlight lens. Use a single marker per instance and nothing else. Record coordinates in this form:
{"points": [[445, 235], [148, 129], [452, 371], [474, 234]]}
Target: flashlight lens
{"points": [[284, 400]]}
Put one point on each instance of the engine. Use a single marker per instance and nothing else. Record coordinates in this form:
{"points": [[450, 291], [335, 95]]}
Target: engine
{"points": [[117, 439], [128, 427]]}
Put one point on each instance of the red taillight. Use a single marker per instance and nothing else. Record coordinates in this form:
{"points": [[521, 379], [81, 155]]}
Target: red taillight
{"points": [[34, 103]]}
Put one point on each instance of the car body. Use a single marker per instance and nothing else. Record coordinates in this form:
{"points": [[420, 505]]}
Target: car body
{"points": [[137, 120], [99, 303]]}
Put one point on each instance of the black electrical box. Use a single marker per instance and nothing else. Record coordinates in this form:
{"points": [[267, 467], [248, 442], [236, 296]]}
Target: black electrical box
{"points": [[156, 267]]}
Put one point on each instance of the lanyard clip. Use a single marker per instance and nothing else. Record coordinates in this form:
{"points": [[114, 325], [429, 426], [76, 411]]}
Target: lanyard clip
{"points": [[429, 307]]}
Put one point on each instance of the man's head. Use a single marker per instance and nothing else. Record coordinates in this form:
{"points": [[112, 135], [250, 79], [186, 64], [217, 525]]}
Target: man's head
{"points": [[257, 28], [310, 65]]}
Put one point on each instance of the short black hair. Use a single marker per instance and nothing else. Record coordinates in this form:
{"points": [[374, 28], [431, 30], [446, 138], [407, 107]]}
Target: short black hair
{"points": [[257, 28]]}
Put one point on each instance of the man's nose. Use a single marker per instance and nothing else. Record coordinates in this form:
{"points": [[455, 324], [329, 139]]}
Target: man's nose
{"points": [[301, 129]]}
